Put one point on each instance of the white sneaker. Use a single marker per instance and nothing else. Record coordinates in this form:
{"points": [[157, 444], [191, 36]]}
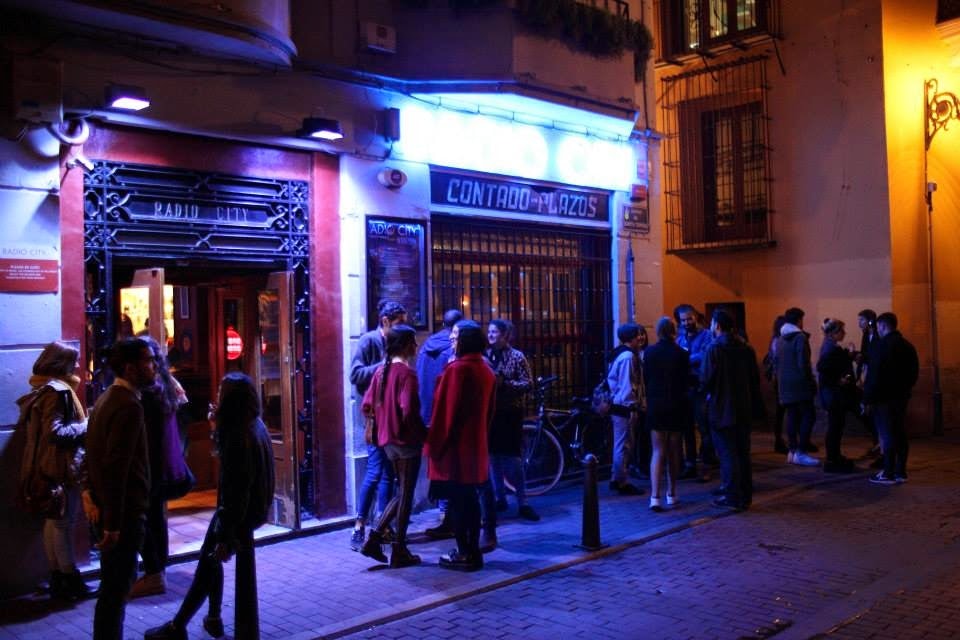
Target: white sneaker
{"points": [[655, 504], [791, 455], [672, 500], [805, 460]]}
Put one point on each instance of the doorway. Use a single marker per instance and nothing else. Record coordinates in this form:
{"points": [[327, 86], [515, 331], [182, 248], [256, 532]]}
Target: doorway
{"points": [[209, 322]]}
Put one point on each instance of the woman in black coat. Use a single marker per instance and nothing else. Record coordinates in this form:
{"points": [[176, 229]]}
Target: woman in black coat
{"points": [[838, 391], [665, 370]]}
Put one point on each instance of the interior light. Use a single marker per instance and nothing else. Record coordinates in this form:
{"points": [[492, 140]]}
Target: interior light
{"points": [[126, 97], [321, 128]]}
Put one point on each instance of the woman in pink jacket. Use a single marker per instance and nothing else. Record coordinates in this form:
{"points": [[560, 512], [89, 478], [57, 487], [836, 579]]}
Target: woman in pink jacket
{"points": [[463, 405]]}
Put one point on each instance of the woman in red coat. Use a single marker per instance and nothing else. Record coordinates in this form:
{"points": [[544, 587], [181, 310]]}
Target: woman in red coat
{"points": [[463, 405]]}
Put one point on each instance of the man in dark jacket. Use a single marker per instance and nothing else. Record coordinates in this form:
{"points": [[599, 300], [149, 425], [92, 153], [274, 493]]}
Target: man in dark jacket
{"points": [[731, 380], [433, 357], [893, 371], [117, 493], [796, 386]]}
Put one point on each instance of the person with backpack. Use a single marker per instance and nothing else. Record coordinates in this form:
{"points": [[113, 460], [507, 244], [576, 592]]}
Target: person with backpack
{"points": [[625, 379], [55, 427]]}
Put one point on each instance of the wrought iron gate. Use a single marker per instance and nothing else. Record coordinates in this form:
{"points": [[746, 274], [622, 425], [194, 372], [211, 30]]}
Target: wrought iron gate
{"points": [[553, 283]]}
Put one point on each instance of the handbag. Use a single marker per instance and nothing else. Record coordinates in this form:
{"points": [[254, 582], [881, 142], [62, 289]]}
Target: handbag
{"points": [[38, 494]]}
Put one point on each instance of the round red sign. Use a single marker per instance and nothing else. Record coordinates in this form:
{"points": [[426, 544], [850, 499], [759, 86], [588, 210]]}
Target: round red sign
{"points": [[234, 344]]}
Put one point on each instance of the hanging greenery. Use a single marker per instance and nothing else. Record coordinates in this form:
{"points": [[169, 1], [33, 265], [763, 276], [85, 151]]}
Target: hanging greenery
{"points": [[582, 27]]}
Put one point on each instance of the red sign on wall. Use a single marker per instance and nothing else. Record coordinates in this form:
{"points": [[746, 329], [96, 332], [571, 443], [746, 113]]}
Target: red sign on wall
{"points": [[22, 275], [234, 344]]}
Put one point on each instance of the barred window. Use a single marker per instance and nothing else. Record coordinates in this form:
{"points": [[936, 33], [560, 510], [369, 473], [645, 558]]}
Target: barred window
{"points": [[687, 26], [716, 157], [948, 10]]}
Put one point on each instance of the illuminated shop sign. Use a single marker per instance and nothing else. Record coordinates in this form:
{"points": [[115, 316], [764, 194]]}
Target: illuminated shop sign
{"points": [[498, 194], [477, 142]]}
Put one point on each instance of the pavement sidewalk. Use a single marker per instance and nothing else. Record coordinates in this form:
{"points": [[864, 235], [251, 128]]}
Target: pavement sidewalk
{"points": [[314, 586]]}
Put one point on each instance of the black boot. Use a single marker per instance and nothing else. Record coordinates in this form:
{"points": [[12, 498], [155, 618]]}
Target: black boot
{"points": [[55, 587], [74, 588], [373, 548], [400, 556]]}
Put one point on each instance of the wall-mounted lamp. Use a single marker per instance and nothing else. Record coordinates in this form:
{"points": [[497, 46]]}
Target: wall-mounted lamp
{"points": [[126, 97], [322, 128], [941, 108]]}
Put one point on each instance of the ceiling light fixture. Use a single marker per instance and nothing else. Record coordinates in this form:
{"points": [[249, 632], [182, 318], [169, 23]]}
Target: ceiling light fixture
{"points": [[321, 128], [126, 97]]}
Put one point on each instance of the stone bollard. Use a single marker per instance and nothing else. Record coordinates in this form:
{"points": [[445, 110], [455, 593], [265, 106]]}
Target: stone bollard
{"points": [[590, 535]]}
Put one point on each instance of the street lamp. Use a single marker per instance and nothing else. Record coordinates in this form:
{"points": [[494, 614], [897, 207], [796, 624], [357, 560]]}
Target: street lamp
{"points": [[940, 107]]}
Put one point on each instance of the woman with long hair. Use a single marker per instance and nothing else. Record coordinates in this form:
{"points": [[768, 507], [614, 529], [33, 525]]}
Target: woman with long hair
{"points": [[463, 405], [838, 392], [56, 425], [770, 372], [170, 477], [244, 498], [393, 401]]}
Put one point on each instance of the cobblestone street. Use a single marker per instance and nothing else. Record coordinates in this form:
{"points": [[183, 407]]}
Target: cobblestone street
{"points": [[816, 556]]}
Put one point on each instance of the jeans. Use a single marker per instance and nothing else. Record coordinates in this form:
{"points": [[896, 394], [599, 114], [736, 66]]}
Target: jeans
{"points": [[500, 467], [736, 471], [118, 570], [58, 534], [622, 446], [379, 474], [207, 584], [156, 541], [800, 417], [891, 420]]}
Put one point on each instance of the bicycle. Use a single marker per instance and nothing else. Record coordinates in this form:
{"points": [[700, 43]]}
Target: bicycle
{"points": [[557, 438]]}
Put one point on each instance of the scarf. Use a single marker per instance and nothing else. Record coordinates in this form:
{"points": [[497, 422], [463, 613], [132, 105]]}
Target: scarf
{"points": [[71, 382]]}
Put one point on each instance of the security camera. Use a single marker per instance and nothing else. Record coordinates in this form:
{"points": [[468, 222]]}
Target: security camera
{"points": [[392, 178]]}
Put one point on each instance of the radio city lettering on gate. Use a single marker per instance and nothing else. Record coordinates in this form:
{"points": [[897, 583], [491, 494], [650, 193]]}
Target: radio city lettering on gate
{"points": [[503, 195], [189, 211]]}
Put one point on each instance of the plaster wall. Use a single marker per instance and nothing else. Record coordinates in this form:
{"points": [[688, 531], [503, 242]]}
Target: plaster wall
{"points": [[914, 52], [832, 253]]}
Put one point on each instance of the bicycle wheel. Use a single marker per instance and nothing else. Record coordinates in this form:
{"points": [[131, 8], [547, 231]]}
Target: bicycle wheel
{"points": [[542, 460], [596, 439]]}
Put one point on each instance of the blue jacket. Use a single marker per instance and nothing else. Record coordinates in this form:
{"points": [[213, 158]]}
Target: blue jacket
{"points": [[431, 360], [695, 345]]}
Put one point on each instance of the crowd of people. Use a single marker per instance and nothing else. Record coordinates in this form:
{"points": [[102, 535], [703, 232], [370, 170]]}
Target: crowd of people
{"points": [[680, 407]]}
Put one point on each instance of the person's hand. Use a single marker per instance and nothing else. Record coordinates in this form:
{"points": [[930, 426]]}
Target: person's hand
{"points": [[109, 540], [222, 552], [90, 508]]}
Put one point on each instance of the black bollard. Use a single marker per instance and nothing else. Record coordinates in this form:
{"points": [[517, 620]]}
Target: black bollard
{"points": [[590, 535]]}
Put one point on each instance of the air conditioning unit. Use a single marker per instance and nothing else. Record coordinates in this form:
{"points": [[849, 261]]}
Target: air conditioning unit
{"points": [[378, 37]]}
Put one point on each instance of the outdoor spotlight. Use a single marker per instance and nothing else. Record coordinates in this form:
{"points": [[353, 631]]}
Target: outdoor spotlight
{"points": [[322, 128], [126, 97]]}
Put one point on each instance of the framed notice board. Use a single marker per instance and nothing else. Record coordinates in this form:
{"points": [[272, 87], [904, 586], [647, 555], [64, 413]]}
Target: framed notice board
{"points": [[397, 268]]}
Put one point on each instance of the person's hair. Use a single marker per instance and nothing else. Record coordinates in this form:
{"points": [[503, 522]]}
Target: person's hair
{"points": [[238, 404], [723, 320], [400, 338], [793, 315], [684, 308], [452, 317], [778, 324], [57, 360], [628, 331], [124, 352], [832, 325], [166, 391], [471, 338], [869, 314], [504, 326], [888, 318], [390, 310], [666, 329]]}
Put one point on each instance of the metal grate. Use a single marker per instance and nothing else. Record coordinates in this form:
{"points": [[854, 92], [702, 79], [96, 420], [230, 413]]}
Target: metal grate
{"points": [[694, 26], [554, 285], [716, 157], [948, 10]]}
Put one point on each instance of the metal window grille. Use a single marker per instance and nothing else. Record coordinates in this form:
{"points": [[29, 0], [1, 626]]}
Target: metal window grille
{"points": [[716, 157], [554, 285], [948, 10], [690, 26]]}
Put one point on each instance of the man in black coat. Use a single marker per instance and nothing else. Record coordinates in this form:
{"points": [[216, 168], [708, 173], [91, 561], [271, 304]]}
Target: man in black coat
{"points": [[892, 372], [117, 492], [731, 381]]}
